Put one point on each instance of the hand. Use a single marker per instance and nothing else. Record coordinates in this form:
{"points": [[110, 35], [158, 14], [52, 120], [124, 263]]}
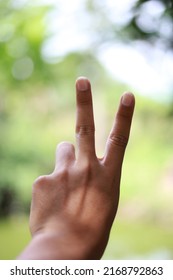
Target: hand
{"points": [[74, 207]]}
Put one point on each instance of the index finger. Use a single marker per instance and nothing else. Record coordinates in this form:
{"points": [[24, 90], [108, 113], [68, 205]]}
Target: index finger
{"points": [[85, 128]]}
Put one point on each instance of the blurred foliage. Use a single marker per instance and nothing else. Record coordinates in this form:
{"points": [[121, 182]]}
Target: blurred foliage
{"points": [[149, 21], [37, 111], [7, 196], [21, 36], [152, 21]]}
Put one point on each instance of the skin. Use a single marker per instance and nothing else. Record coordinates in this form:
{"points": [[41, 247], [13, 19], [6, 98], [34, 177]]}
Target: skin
{"points": [[73, 208]]}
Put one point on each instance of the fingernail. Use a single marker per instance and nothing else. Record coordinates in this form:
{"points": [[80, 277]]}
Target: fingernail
{"points": [[82, 84], [127, 99]]}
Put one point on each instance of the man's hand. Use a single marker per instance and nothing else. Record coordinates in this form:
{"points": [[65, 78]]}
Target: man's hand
{"points": [[74, 207]]}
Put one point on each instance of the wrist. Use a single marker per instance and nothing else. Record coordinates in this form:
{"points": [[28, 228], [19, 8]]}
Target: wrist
{"points": [[49, 246], [62, 240], [53, 246]]}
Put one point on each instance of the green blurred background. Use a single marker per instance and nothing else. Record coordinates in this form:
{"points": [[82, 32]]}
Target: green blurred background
{"points": [[37, 111]]}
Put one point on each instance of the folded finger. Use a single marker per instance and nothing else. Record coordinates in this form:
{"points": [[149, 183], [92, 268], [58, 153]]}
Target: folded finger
{"points": [[65, 154]]}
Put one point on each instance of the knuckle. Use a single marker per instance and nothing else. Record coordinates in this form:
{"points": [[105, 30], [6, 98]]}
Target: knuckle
{"points": [[118, 140], [41, 181], [84, 130], [87, 169], [62, 175], [87, 174]]}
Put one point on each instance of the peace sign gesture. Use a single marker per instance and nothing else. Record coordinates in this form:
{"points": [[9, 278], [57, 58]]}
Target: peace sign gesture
{"points": [[74, 207], [85, 128]]}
